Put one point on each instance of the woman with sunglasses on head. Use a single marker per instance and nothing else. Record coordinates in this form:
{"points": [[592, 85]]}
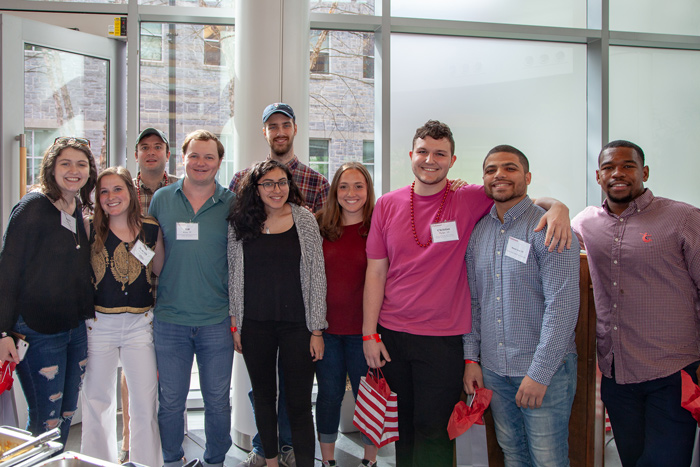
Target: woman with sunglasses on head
{"points": [[344, 223], [126, 247], [277, 289], [46, 285]]}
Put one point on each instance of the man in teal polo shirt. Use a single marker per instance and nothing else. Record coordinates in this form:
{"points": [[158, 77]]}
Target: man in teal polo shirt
{"points": [[191, 314]]}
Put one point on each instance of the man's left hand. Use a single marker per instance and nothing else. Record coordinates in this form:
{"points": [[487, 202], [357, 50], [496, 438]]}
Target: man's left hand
{"points": [[530, 394], [558, 227]]}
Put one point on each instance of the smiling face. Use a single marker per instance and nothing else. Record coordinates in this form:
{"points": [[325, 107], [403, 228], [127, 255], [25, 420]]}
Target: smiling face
{"points": [[621, 174], [71, 172], [505, 179], [152, 154], [352, 195], [201, 161], [279, 132], [113, 195], [431, 159], [277, 197]]}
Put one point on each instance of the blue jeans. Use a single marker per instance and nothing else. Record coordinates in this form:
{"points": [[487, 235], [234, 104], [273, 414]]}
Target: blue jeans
{"points": [[651, 428], [176, 346], [537, 437], [285, 431], [342, 355], [51, 375]]}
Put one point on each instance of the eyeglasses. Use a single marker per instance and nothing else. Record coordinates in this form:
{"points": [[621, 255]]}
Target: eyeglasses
{"points": [[72, 139], [269, 186]]}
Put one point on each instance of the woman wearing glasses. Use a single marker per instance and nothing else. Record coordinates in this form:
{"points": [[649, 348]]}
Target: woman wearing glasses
{"points": [[46, 285], [126, 248], [277, 288]]}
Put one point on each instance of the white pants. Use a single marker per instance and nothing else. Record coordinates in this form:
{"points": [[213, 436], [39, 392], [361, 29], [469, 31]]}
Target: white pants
{"points": [[129, 338]]}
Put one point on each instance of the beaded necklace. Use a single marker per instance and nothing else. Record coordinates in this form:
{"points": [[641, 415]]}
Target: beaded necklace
{"points": [[437, 217], [138, 183]]}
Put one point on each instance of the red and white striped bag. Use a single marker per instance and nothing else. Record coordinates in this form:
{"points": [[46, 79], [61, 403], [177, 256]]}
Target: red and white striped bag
{"points": [[376, 410]]}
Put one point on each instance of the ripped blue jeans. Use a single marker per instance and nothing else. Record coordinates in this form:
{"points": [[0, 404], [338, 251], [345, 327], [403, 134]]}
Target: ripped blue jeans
{"points": [[51, 375]]}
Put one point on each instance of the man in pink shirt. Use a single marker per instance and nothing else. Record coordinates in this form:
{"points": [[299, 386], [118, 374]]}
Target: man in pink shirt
{"points": [[416, 297]]}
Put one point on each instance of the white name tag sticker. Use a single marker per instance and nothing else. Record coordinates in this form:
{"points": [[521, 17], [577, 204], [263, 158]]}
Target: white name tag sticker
{"points": [[142, 252], [444, 232], [187, 231], [68, 221], [518, 249]]}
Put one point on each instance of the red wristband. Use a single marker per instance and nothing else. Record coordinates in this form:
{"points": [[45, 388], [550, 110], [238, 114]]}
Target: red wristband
{"points": [[376, 337], [470, 361], [234, 329]]}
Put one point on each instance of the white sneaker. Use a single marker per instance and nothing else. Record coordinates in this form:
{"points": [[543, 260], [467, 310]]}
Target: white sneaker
{"points": [[286, 457], [253, 460]]}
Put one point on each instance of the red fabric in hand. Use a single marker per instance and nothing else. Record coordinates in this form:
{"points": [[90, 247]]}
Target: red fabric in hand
{"points": [[6, 375], [463, 416], [690, 396]]}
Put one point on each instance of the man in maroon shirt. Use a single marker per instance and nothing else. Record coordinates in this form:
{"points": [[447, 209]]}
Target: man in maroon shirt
{"points": [[644, 256]]}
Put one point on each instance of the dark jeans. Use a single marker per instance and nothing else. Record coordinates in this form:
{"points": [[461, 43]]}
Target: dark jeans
{"points": [[51, 375], [651, 428], [285, 432], [261, 341], [426, 374]]}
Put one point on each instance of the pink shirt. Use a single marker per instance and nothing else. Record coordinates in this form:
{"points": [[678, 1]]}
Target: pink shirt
{"points": [[645, 269], [426, 291]]}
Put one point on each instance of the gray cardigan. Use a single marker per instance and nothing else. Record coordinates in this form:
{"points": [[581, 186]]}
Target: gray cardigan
{"points": [[312, 268]]}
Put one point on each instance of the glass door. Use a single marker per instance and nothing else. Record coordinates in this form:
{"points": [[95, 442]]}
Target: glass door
{"points": [[56, 82]]}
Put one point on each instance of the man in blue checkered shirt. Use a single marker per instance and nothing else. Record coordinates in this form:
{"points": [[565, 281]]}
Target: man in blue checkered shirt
{"points": [[525, 303]]}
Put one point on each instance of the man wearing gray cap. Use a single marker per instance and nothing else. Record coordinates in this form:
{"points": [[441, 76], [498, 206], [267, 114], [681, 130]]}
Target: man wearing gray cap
{"points": [[279, 129], [152, 153]]}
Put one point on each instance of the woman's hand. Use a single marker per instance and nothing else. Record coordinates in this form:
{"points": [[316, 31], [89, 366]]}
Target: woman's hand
{"points": [[237, 342], [375, 353], [8, 351], [317, 346]]}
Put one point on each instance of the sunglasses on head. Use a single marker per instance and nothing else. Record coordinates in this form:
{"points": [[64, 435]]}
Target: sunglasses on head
{"points": [[72, 139]]}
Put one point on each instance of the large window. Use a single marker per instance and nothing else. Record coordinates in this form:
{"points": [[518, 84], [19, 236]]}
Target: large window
{"points": [[152, 42], [528, 94], [319, 56], [187, 96]]}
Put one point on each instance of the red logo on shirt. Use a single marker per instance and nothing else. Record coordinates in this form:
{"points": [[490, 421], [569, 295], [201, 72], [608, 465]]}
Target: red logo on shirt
{"points": [[646, 238]]}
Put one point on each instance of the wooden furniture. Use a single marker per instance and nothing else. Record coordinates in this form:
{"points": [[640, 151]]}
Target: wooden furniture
{"points": [[587, 423]]}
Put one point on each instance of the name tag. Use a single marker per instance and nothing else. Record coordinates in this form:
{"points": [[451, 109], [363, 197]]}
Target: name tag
{"points": [[142, 252], [444, 232], [187, 231], [68, 221], [518, 249]]}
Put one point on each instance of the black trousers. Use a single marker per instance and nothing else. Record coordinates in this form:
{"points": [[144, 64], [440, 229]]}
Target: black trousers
{"points": [[426, 374], [261, 341]]}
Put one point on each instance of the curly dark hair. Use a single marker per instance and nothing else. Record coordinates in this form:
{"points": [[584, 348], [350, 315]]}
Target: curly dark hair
{"points": [[247, 215], [436, 130], [47, 173]]}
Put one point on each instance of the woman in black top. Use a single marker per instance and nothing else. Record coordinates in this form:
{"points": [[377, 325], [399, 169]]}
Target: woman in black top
{"points": [[126, 248], [277, 288], [46, 291]]}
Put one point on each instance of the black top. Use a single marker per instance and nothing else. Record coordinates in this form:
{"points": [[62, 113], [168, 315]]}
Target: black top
{"points": [[43, 276], [122, 283], [272, 281]]}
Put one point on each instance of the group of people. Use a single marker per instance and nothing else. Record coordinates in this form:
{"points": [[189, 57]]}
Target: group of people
{"points": [[448, 287]]}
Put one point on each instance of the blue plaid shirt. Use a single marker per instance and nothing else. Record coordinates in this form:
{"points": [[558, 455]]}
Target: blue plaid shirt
{"points": [[523, 315]]}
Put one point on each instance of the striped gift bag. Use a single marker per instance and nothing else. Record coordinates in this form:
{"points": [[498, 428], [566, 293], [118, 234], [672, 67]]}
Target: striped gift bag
{"points": [[376, 409]]}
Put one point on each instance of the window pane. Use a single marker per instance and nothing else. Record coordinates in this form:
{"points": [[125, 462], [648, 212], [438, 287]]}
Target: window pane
{"points": [[196, 3], [341, 104], [654, 102], [561, 13], [190, 96], [368, 156], [65, 94], [318, 155], [368, 57], [529, 94], [343, 7], [319, 59], [674, 17]]}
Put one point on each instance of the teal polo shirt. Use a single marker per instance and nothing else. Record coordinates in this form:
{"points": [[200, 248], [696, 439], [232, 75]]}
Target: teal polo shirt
{"points": [[193, 286]]}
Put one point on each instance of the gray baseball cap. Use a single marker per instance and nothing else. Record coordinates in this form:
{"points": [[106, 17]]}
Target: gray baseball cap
{"points": [[149, 132], [278, 107]]}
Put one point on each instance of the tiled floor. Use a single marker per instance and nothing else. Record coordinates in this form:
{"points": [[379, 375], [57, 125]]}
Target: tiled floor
{"points": [[348, 447]]}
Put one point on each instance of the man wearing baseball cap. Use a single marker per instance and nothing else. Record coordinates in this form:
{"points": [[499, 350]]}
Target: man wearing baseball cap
{"points": [[152, 154], [279, 129]]}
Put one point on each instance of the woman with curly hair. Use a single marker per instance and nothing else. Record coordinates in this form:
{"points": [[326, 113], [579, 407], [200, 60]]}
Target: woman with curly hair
{"points": [[277, 288], [46, 285], [126, 248]]}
